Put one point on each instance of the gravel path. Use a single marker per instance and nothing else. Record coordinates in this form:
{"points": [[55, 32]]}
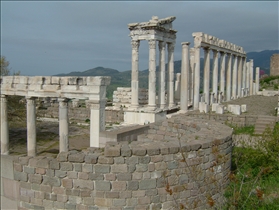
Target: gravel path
{"points": [[258, 105]]}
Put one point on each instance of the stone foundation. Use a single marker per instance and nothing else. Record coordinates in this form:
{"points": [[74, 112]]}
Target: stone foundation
{"points": [[178, 162]]}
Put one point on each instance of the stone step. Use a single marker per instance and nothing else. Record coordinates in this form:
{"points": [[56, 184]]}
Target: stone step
{"points": [[263, 122]]}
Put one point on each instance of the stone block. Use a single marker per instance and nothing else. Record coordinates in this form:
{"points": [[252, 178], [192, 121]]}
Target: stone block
{"points": [[144, 160], [102, 185], [52, 181], [125, 151], [105, 160], [46, 188], [77, 158], [54, 164], [91, 159], [132, 185], [67, 183], [119, 202], [118, 185], [214, 107], [83, 175], [110, 177], [139, 151], [87, 167], [20, 176], [147, 184], [35, 178], [119, 168], [83, 184], [62, 156], [112, 150], [220, 109], [124, 176], [243, 108], [65, 166], [29, 170], [60, 174], [102, 168]]}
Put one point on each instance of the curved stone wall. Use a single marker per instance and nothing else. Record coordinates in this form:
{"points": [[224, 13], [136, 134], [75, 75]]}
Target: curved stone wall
{"points": [[180, 162]]}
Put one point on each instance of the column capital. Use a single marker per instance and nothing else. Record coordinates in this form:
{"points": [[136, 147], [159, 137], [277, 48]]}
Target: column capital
{"points": [[95, 104], [171, 47], [135, 44], [185, 43], [161, 45], [152, 44], [63, 99], [206, 49]]}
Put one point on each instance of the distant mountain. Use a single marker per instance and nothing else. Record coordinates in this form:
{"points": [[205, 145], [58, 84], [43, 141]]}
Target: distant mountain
{"points": [[123, 78]]}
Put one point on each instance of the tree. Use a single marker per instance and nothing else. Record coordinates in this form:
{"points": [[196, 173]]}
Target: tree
{"points": [[5, 70]]}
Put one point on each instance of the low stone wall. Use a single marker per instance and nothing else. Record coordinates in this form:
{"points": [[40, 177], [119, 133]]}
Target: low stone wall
{"points": [[80, 114], [240, 121], [122, 96], [187, 166]]}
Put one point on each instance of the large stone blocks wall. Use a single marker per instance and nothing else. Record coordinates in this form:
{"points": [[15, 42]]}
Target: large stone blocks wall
{"points": [[189, 166], [274, 65], [122, 96]]}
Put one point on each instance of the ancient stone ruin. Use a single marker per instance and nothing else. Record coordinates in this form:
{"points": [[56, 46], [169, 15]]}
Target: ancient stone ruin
{"points": [[159, 165]]}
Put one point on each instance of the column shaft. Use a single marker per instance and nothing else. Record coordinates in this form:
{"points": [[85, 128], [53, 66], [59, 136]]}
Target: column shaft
{"points": [[63, 125], [206, 75], [239, 76], [251, 76], [222, 73], [31, 127], [152, 75], [197, 78], [247, 78], [184, 77], [215, 73], [228, 80], [4, 126], [97, 121], [191, 75], [170, 75], [257, 80], [135, 72], [234, 82], [243, 75], [162, 75]]}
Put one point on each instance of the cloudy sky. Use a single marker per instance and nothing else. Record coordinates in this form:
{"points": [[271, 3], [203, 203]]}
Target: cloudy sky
{"points": [[47, 38]]}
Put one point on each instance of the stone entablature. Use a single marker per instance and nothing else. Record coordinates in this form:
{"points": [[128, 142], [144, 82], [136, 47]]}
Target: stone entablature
{"points": [[214, 43], [64, 88], [128, 176], [92, 88], [158, 29]]}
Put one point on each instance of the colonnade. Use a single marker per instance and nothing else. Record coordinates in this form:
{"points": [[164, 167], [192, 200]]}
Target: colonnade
{"points": [[152, 75], [236, 75], [155, 31], [65, 88], [96, 112]]}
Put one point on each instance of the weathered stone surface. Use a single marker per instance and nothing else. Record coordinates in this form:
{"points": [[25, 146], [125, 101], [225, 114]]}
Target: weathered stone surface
{"points": [[102, 185], [78, 158]]}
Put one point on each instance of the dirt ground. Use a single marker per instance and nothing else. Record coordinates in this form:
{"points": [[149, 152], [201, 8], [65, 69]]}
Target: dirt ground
{"points": [[258, 105], [48, 132]]}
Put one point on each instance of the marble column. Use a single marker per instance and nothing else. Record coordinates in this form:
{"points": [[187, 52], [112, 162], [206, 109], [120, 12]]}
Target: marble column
{"points": [[97, 121], [243, 75], [215, 74], [184, 97], [197, 78], [257, 80], [251, 71], [206, 75], [135, 74], [247, 78], [191, 75], [234, 81], [63, 125], [228, 78], [4, 126], [239, 76], [152, 75], [162, 75], [31, 126], [170, 75], [222, 72]]}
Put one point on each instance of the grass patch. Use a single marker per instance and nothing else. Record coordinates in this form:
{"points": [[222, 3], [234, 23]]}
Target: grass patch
{"points": [[242, 130]]}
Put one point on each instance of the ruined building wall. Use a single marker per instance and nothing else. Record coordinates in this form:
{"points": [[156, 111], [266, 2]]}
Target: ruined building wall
{"points": [[145, 174], [274, 65]]}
